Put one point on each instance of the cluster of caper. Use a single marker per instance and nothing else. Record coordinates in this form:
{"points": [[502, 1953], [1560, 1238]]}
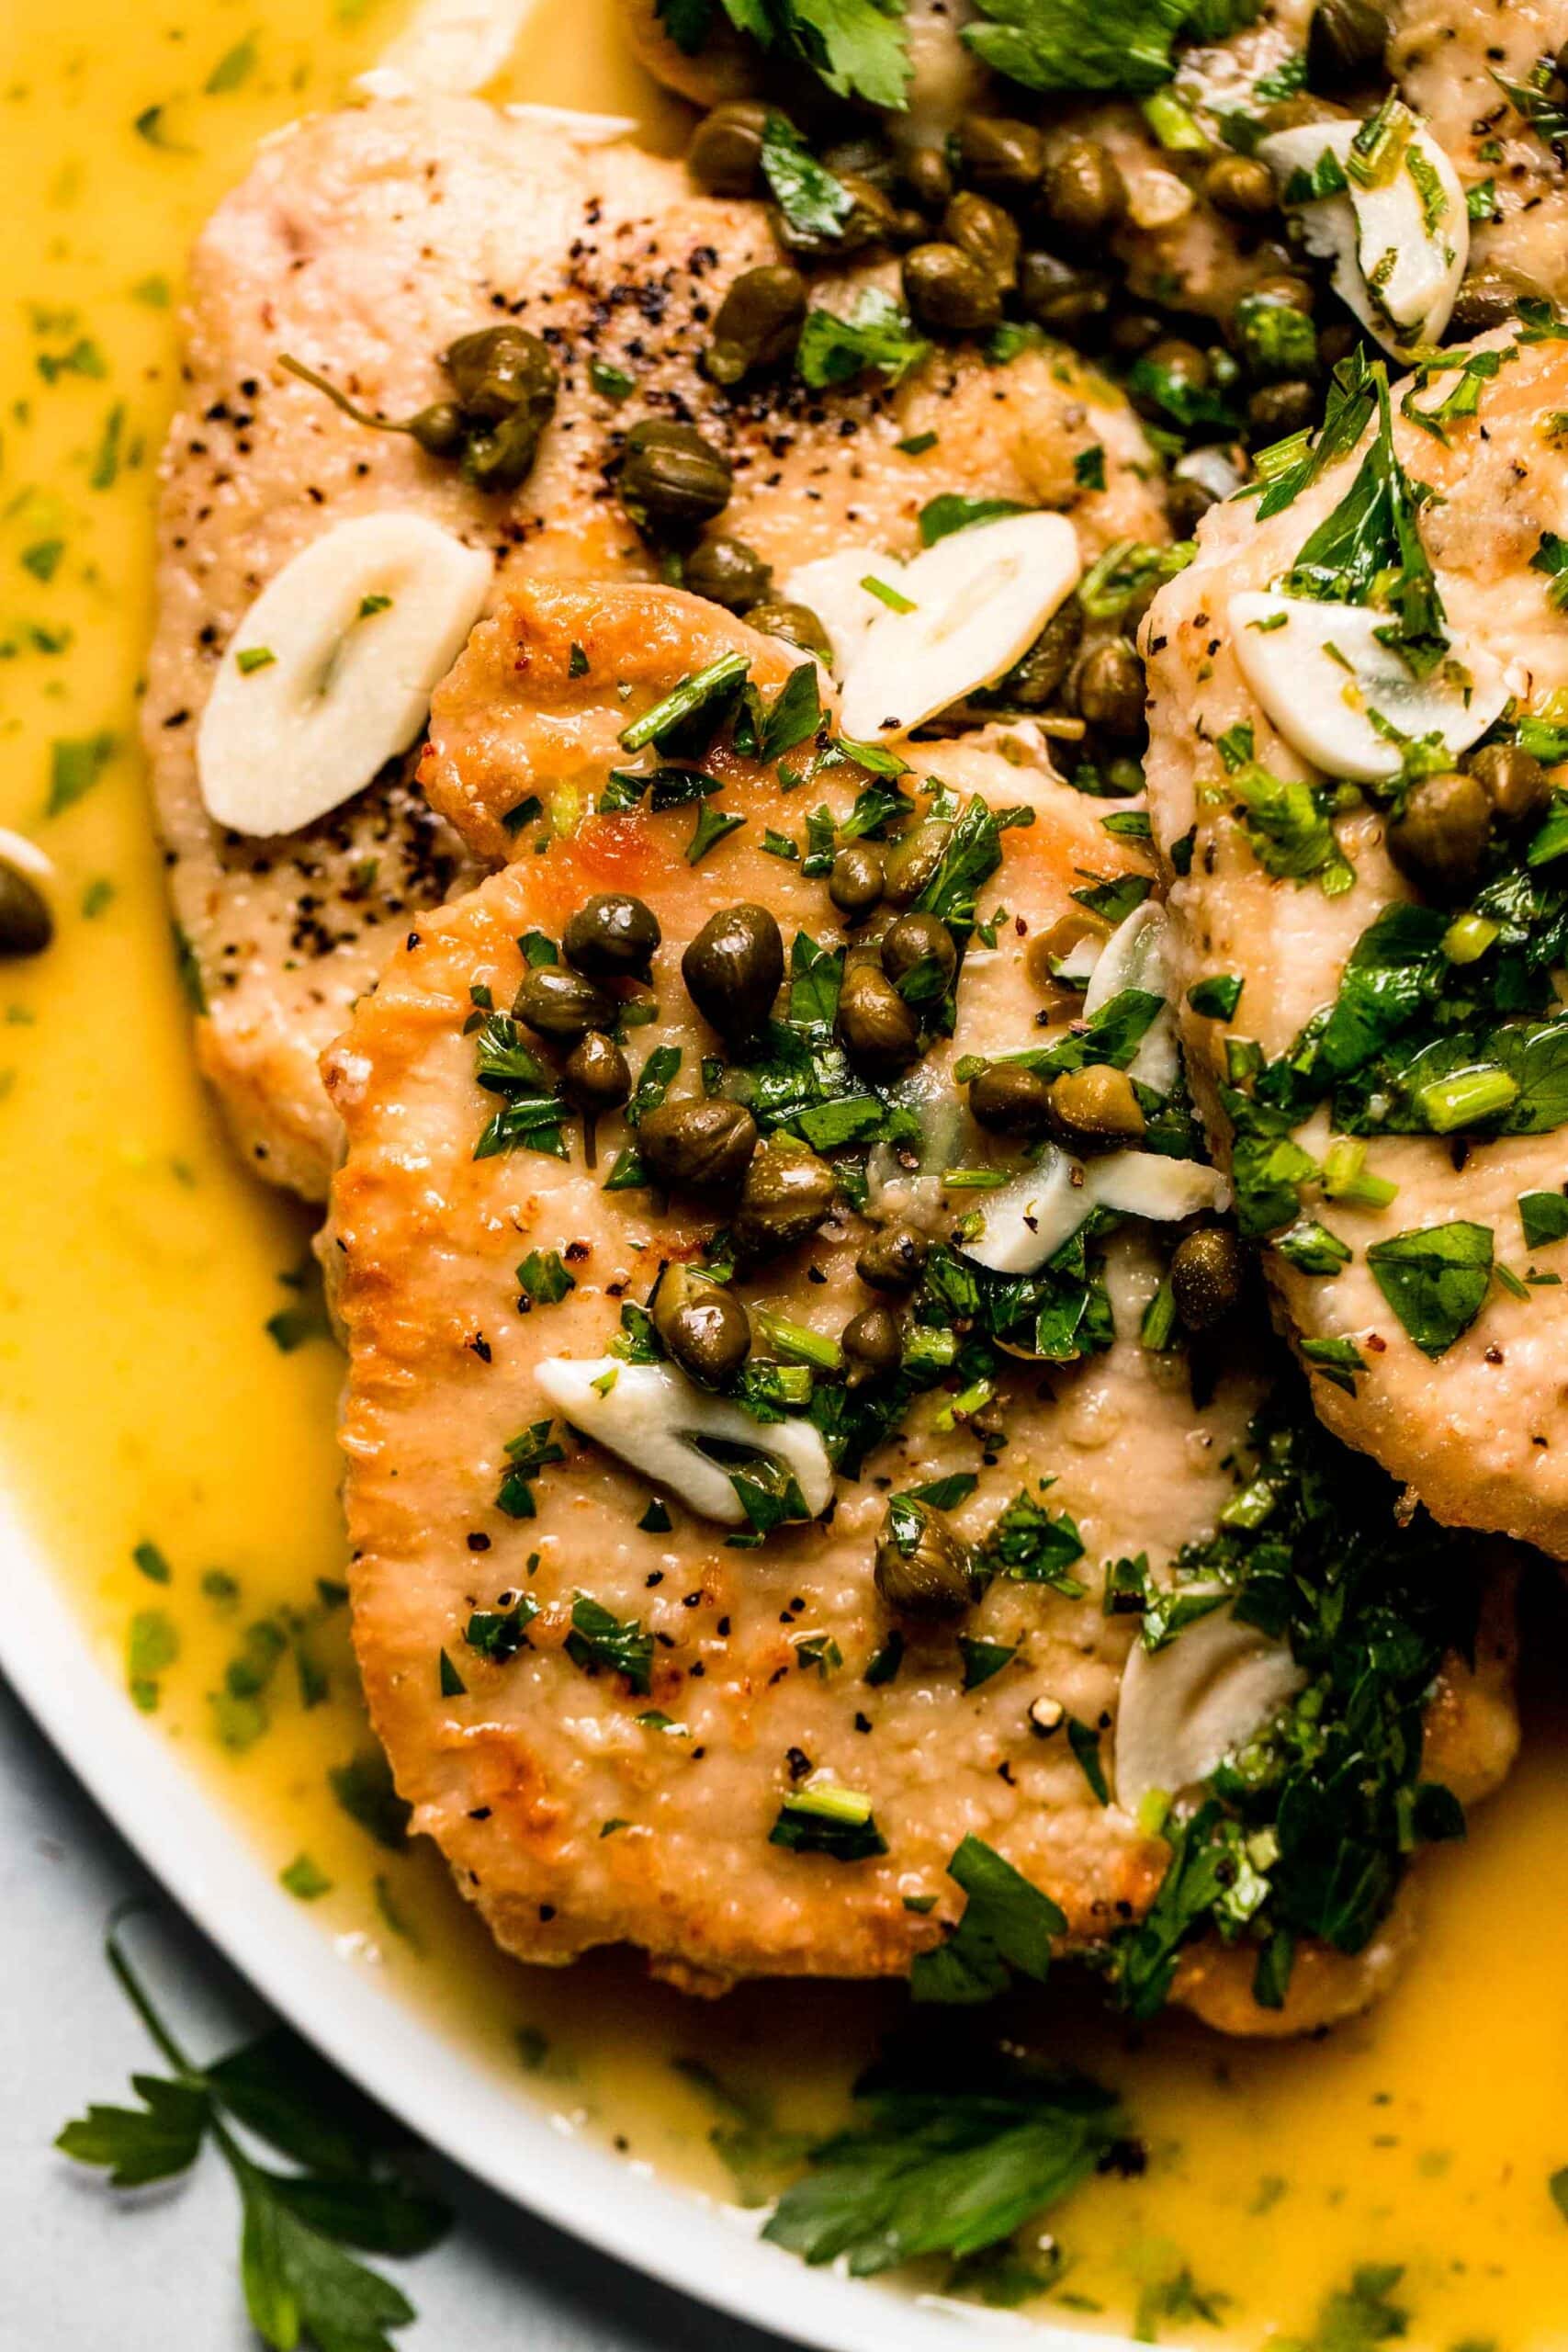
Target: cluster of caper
{"points": [[26, 923], [504, 385], [1438, 833], [672, 481], [610, 937]]}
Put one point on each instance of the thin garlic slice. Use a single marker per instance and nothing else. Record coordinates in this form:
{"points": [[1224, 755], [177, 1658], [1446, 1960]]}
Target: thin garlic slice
{"points": [[1137, 956], [1027, 1221], [1399, 249], [17, 850], [330, 672], [830, 587], [1183, 1708], [652, 1416], [978, 600], [1319, 670], [448, 48], [573, 123]]}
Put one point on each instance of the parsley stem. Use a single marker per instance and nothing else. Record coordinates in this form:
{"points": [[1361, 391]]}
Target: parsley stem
{"points": [[135, 1993]]}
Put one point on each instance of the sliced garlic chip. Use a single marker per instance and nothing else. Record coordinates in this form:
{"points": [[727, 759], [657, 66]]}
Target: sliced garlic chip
{"points": [[573, 123], [653, 1417], [978, 600], [448, 48], [17, 850], [830, 587], [1137, 956], [330, 671], [1319, 669], [1399, 248], [1183, 1708], [1027, 1220]]}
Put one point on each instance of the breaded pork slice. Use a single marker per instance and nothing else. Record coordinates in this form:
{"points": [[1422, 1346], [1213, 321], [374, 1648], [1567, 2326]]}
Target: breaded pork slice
{"points": [[712, 1615], [362, 244], [1379, 1049]]}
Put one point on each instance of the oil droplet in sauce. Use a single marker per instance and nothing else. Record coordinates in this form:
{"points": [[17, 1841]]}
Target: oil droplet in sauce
{"points": [[179, 1455]]}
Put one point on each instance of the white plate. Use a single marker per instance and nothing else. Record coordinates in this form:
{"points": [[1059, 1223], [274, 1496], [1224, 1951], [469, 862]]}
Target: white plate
{"points": [[475, 2116]]}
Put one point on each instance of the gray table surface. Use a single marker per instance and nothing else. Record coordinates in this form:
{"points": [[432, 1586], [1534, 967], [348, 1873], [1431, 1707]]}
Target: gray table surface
{"points": [[81, 2270]]}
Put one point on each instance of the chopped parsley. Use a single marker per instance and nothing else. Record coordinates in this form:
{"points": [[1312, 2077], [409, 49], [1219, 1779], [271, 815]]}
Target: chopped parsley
{"points": [[544, 1277], [598, 1638], [1308, 1829], [1006, 1927], [1436, 1278], [877, 333], [962, 2148], [823, 1818]]}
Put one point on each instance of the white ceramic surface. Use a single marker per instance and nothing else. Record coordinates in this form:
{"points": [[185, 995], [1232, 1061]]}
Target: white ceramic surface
{"points": [[483, 2123]]}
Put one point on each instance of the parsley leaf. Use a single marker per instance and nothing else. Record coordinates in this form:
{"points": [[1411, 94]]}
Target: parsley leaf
{"points": [[1436, 1278], [598, 1638], [947, 2165], [300, 2283], [815, 204], [941, 516], [878, 333], [1007, 1924]]}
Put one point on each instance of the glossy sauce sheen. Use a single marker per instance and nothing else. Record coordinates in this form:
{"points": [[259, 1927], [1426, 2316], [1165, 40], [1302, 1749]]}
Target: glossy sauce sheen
{"points": [[141, 1400]]}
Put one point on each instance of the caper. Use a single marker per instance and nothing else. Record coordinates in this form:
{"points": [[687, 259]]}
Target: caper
{"points": [[861, 155], [788, 1193], [1001, 155], [495, 369], [506, 379], [698, 1147], [1436, 839], [612, 937], [868, 221], [928, 178], [1284, 285], [909, 228], [1085, 193], [1198, 481], [854, 880], [758, 324], [439, 429], [1179, 363], [922, 1569], [1298, 112], [947, 290], [1055, 944], [596, 1076], [1109, 689], [879, 1033], [727, 572], [1240, 185], [733, 967], [1488, 297], [1034, 680], [913, 859], [26, 925], [795, 624], [1275, 410], [703, 1324], [726, 152], [987, 234], [1096, 1108], [1062, 300], [1132, 333], [1206, 1273], [917, 940], [893, 1258], [1346, 40], [1012, 1101], [671, 479], [1514, 781], [561, 1004], [872, 1345]]}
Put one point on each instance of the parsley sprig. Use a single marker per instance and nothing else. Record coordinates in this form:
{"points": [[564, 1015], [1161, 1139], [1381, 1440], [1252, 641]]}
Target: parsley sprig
{"points": [[300, 2285]]}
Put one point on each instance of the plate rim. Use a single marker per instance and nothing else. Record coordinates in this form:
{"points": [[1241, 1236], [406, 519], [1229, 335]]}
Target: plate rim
{"points": [[184, 1835]]}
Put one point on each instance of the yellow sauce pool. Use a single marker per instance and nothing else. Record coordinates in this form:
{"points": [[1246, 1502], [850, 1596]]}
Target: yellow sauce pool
{"points": [[143, 1402]]}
